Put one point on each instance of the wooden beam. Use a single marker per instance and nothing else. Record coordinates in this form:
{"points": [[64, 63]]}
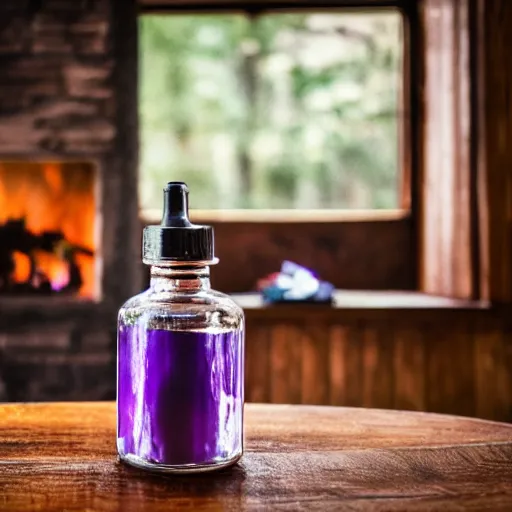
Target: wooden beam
{"points": [[494, 111], [260, 5], [446, 263]]}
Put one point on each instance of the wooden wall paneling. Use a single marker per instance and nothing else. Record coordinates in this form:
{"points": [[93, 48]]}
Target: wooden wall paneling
{"points": [[450, 368], [315, 364], [345, 365], [438, 147], [446, 184], [409, 368], [462, 250], [279, 364], [354, 367], [295, 364], [338, 364], [493, 373], [494, 112], [459, 363], [377, 362], [257, 362], [285, 364]]}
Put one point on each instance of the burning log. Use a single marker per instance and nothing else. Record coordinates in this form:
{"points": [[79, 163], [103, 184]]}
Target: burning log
{"points": [[15, 237]]}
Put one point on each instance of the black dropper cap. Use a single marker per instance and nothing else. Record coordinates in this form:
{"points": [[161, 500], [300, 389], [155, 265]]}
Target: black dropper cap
{"points": [[176, 239]]}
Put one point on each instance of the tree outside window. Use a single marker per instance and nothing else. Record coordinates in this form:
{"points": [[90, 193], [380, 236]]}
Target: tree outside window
{"points": [[296, 110]]}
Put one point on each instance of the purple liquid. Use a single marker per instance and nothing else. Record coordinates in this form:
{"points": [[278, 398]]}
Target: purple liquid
{"points": [[180, 396]]}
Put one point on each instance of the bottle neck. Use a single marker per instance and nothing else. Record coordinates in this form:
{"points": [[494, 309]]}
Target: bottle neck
{"points": [[180, 279]]}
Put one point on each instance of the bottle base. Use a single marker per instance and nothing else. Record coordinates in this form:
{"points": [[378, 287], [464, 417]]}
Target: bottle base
{"points": [[139, 463]]}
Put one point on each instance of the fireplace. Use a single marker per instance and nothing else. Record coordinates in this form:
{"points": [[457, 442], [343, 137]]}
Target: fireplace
{"points": [[48, 240], [69, 228]]}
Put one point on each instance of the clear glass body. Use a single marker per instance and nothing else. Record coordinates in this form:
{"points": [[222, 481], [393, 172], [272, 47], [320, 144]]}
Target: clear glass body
{"points": [[180, 375]]}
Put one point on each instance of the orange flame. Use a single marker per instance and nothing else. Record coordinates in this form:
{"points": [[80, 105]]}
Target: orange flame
{"points": [[21, 267], [52, 197]]}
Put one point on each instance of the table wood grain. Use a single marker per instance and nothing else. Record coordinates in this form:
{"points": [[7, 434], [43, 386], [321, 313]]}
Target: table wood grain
{"points": [[62, 457]]}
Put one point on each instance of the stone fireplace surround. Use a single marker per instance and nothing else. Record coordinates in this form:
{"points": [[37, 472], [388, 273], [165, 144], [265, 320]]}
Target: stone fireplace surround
{"points": [[68, 90]]}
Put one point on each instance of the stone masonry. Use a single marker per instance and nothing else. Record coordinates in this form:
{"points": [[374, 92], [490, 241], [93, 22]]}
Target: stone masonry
{"points": [[68, 91]]}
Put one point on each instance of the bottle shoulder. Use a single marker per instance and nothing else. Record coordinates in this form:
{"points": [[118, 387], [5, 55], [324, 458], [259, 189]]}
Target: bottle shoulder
{"points": [[204, 309], [151, 298]]}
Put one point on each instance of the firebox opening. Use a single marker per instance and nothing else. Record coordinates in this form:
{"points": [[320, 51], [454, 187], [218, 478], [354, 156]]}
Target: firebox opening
{"points": [[47, 229]]}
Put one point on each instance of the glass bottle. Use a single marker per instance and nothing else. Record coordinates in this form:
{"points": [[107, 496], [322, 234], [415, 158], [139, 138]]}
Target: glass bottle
{"points": [[180, 355]]}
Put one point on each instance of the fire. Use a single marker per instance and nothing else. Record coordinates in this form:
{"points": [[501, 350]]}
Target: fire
{"points": [[56, 203]]}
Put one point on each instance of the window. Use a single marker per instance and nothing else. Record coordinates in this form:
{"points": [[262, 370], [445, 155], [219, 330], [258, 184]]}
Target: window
{"points": [[290, 121], [283, 110]]}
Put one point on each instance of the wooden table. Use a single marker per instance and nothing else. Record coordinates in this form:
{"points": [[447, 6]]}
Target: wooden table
{"points": [[62, 457]]}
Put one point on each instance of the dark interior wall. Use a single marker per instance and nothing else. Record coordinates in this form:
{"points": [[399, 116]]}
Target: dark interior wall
{"points": [[369, 255], [68, 84]]}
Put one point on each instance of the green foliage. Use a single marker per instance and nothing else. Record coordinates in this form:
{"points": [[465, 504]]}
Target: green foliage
{"points": [[282, 181], [252, 112]]}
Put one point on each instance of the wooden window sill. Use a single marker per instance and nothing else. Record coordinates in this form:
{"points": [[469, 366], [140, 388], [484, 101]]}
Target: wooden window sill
{"points": [[350, 304], [284, 216], [356, 299]]}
